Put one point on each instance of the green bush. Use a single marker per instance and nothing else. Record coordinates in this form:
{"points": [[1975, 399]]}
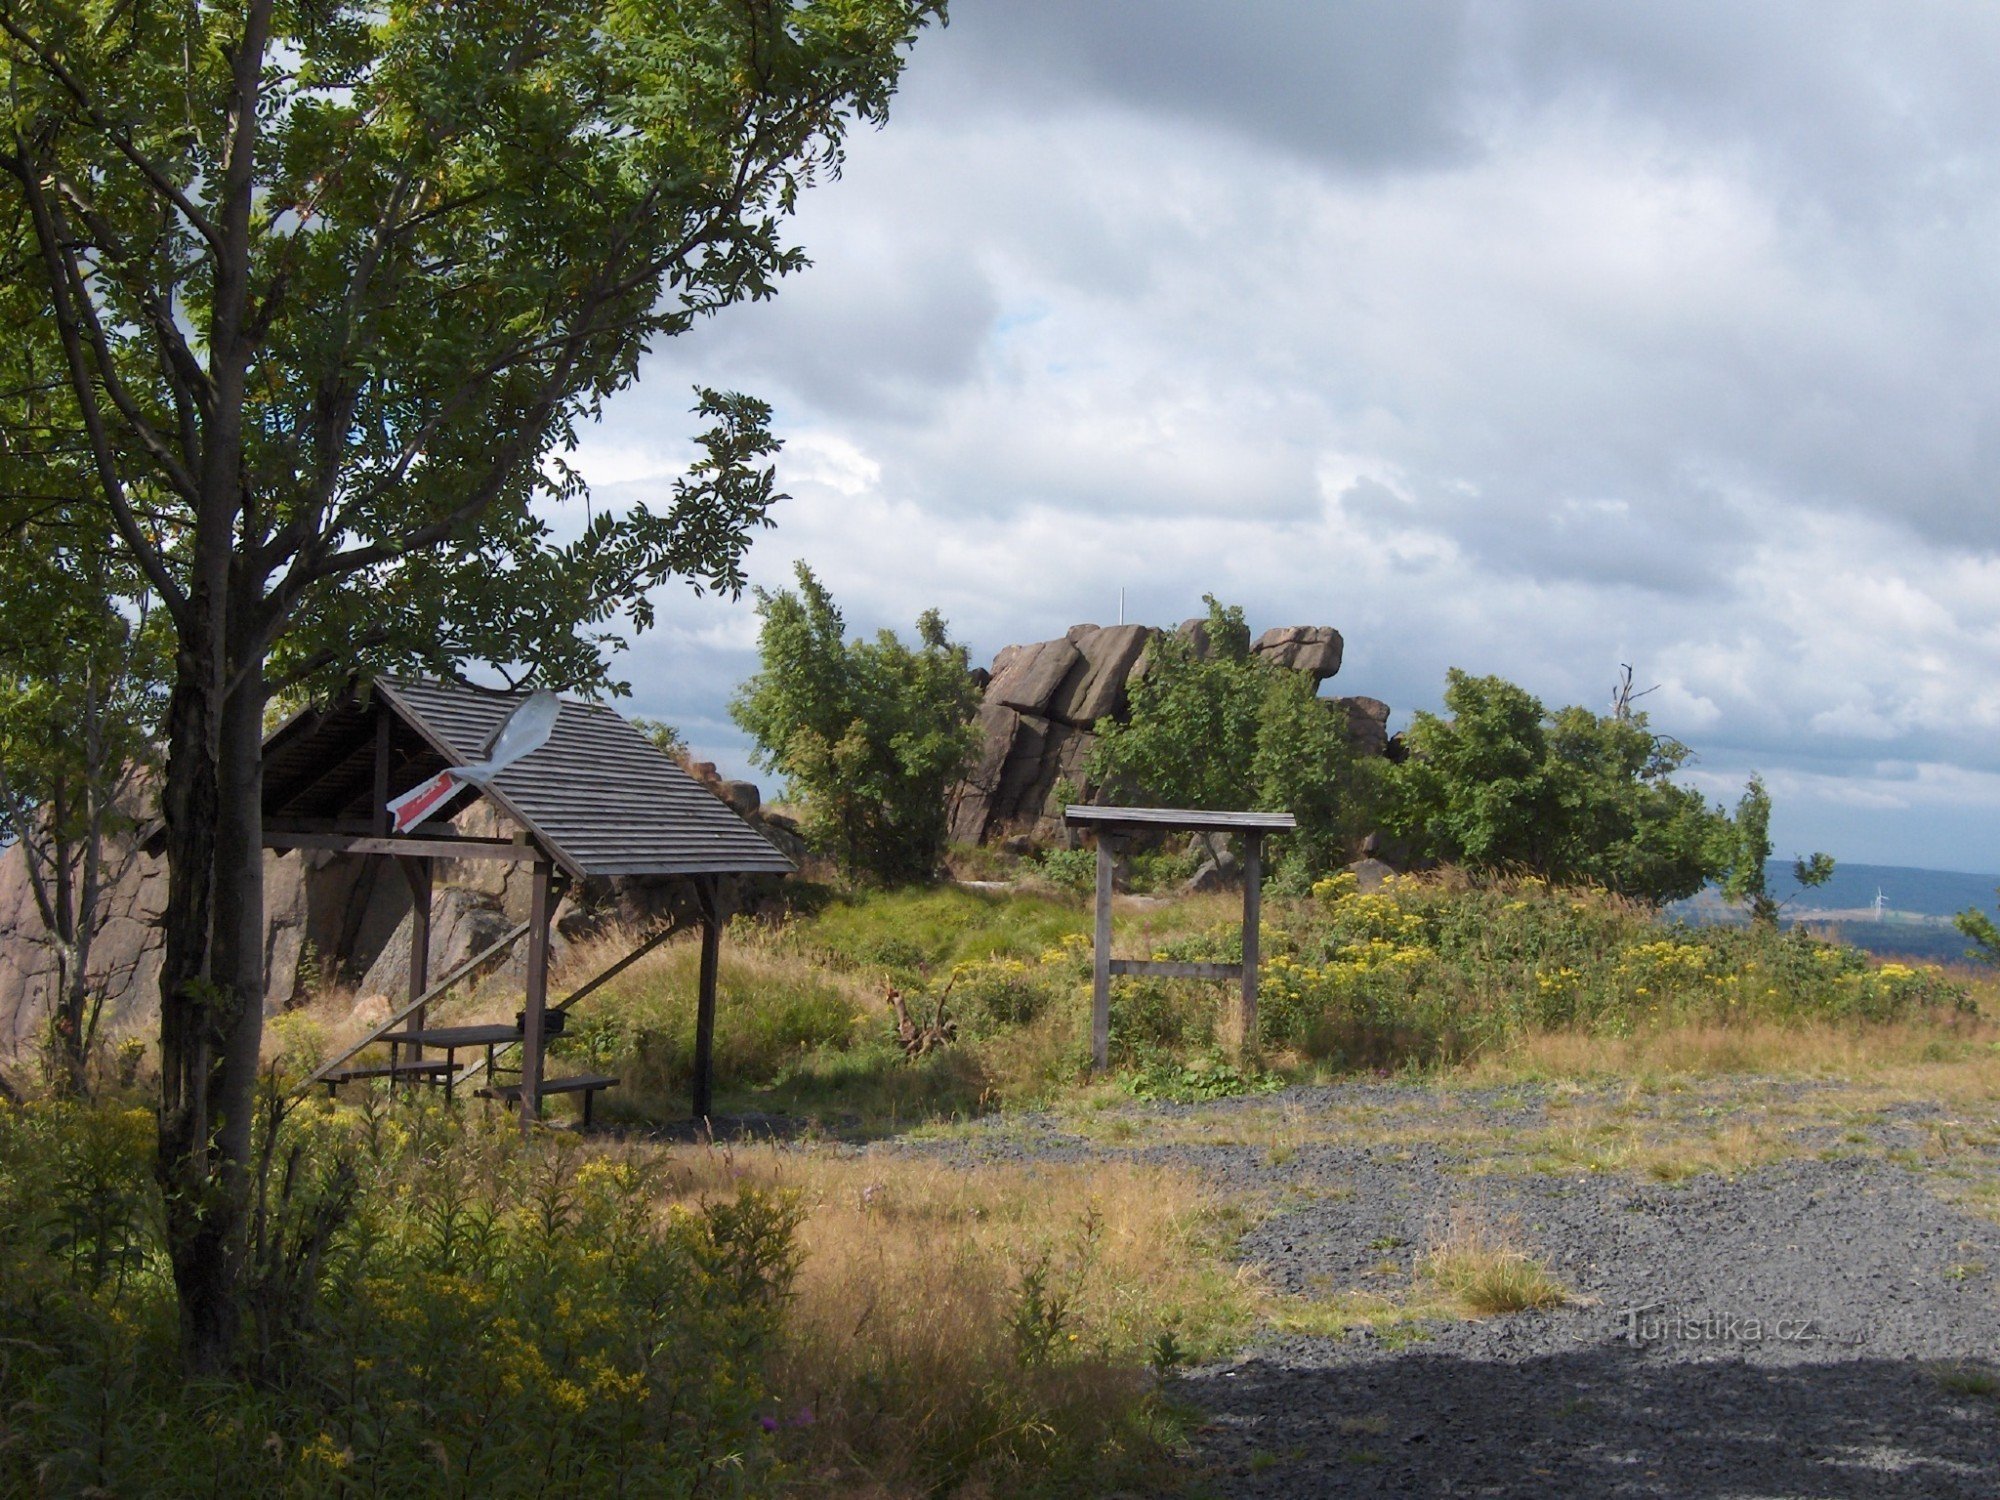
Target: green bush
{"points": [[1213, 726], [869, 735], [437, 1309], [1071, 869], [999, 993], [1502, 784]]}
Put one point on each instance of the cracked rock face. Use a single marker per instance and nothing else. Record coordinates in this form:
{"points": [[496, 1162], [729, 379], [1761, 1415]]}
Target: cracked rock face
{"points": [[1044, 701]]}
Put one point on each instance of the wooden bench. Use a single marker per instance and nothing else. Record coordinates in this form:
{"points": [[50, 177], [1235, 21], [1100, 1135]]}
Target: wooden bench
{"points": [[586, 1084], [430, 1072]]}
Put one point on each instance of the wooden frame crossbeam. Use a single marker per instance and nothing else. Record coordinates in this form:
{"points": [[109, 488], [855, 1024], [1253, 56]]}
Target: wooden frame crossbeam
{"points": [[1162, 968], [406, 848]]}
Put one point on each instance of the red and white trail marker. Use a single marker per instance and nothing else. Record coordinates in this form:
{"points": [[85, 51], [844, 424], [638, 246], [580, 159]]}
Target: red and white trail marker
{"points": [[526, 730]]}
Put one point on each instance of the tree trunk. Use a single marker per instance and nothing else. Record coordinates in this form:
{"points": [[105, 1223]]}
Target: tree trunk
{"points": [[211, 992]]}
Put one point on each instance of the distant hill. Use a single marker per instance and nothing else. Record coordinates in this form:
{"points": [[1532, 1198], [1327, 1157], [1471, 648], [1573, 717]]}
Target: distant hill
{"points": [[1920, 893], [1917, 907]]}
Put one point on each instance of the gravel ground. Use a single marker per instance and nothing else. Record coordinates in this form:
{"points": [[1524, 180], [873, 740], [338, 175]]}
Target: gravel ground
{"points": [[1773, 1333]]}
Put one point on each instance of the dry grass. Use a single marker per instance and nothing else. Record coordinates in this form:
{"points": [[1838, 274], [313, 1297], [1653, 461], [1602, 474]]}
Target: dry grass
{"points": [[1482, 1267], [956, 1330], [1960, 1053]]}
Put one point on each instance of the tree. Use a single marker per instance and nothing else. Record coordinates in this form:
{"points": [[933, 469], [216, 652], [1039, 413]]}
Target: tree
{"points": [[81, 685], [868, 734], [1983, 932], [327, 290], [1747, 857], [1213, 726], [1500, 783]]}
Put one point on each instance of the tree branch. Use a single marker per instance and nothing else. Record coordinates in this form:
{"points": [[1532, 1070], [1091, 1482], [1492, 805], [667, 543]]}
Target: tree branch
{"points": [[140, 162], [149, 558]]}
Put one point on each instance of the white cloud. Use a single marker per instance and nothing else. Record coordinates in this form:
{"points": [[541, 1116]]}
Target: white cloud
{"points": [[1533, 338]]}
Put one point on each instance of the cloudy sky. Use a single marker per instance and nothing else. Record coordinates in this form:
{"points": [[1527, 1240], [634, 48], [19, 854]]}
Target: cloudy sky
{"points": [[1530, 338]]}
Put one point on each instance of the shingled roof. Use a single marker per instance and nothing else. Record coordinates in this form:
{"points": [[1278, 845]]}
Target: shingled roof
{"points": [[598, 797]]}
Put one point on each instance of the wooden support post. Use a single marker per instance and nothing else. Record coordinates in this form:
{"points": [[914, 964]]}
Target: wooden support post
{"points": [[539, 912], [378, 815], [417, 872], [1253, 915], [1100, 986], [710, 894]]}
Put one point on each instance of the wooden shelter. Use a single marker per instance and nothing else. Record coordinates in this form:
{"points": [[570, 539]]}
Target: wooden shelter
{"points": [[598, 799], [1113, 826]]}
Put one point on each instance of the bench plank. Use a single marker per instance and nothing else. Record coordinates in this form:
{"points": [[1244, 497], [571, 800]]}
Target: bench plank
{"points": [[431, 1070], [586, 1084]]}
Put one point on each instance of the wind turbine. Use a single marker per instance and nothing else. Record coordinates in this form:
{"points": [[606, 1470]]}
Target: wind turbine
{"points": [[1880, 902]]}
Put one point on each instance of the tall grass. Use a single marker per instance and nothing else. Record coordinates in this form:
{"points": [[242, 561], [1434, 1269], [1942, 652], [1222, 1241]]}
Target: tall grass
{"points": [[1483, 1266], [987, 1331]]}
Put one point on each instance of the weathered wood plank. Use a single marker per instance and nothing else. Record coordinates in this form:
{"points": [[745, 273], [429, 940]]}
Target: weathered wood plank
{"points": [[1253, 916], [540, 910], [1164, 968], [345, 843], [710, 888], [1193, 819], [1100, 988]]}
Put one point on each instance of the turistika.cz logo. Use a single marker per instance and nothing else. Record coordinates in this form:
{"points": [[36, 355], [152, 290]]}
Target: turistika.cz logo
{"points": [[1656, 1323]]}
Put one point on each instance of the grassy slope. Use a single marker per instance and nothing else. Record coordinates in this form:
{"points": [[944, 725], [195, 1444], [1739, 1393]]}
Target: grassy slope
{"points": [[985, 1328]]}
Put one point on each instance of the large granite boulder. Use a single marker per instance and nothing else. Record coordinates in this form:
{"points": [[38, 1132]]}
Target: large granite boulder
{"points": [[1095, 688], [319, 909], [1013, 783], [1027, 678], [1314, 649]]}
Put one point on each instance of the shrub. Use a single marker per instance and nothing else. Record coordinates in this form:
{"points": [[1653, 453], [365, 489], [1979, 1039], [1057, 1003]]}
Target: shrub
{"points": [[1071, 869], [1435, 970], [1212, 726], [459, 1311], [1571, 796]]}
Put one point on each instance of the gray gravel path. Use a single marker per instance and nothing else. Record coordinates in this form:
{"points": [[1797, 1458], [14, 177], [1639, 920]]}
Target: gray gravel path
{"points": [[1780, 1332]]}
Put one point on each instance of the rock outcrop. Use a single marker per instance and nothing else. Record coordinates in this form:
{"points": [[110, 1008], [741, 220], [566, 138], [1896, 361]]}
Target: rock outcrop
{"points": [[316, 906], [1043, 702], [1035, 724]]}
